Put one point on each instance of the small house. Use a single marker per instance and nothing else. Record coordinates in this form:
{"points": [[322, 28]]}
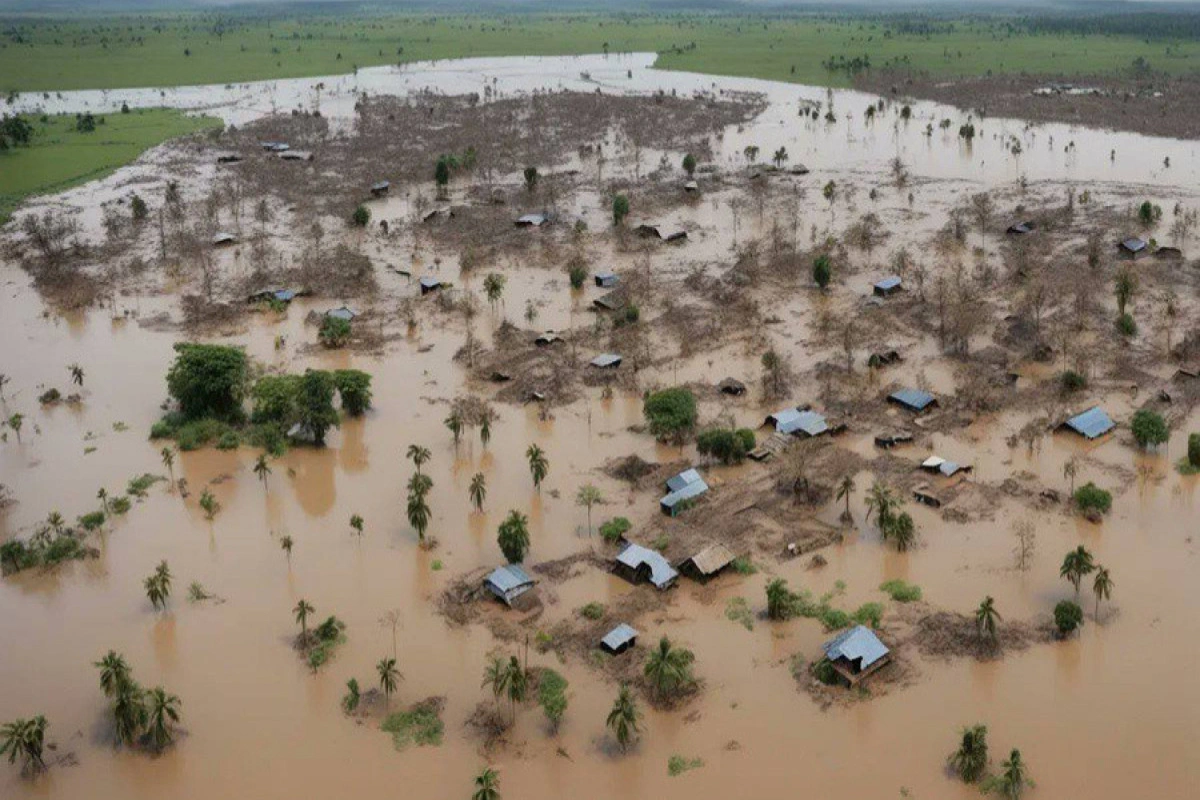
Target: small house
{"points": [[344, 313], [732, 387], [606, 280], [707, 563], [223, 239], [691, 186], [888, 286], [637, 564], [380, 188], [613, 301], [889, 440], [275, 147], [619, 639], [276, 295], [296, 155], [687, 485], [228, 158], [915, 400], [508, 582], [1133, 247], [1091, 424], [607, 361], [798, 169], [883, 358], [939, 466], [429, 284], [925, 495], [804, 423], [548, 338], [1020, 229], [856, 653], [532, 220]]}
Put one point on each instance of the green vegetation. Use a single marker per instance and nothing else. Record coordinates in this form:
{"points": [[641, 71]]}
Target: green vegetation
{"points": [[420, 725], [58, 156], [742, 565], [1190, 464], [1073, 381], [324, 640], [593, 611], [334, 332], [552, 696], [677, 764], [1149, 428], [614, 529], [1067, 617], [623, 718], [726, 445], [1090, 498], [969, 762], [208, 380], [620, 209], [51, 544], [670, 413], [1127, 325], [513, 537], [900, 591], [668, 669], [139, 716], [360, 217], [738, 610], [25, 739], [782, 604], [822, 271]]}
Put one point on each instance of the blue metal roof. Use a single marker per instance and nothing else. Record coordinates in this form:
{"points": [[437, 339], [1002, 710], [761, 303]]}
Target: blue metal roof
{"points": [[284, 295], [618, 637], [915, 399], [606, 360], [858, 642], [1092, 423], [661, 571], [344, 312], [509, 580], [683, 479], [1134, 244], [430, 282], [669, 501], [888, 283], [807, 422]]}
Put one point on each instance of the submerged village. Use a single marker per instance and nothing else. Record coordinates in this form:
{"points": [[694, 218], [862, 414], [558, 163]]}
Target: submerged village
{"points": [[628, 436]]}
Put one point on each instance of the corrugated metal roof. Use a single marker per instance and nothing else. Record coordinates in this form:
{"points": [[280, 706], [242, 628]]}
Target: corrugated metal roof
{"points": [[532, 219], [379, 186], [693, 489], [888, 283], [683, 479], [1134, 244], [606, 279], [344, 312], [284, 295], [661, 572], [1092, 423], [858, 642], [712, 559], [807, 422], [508, 578], [606, 360], [619, 636], [783, 417], [430, 282], [915, 399]]}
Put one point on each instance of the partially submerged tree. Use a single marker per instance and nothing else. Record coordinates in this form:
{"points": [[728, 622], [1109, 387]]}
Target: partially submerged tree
{"points": [[587, 497], [513, 537], [25, 739], [623, 718], [969, 762]]}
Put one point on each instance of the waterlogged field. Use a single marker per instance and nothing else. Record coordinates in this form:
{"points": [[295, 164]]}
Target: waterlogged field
{"points": [[112, 52]]}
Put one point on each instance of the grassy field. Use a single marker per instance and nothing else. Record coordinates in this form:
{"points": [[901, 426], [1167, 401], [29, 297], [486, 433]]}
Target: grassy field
{"points": [[60, 157], [168, 50]]}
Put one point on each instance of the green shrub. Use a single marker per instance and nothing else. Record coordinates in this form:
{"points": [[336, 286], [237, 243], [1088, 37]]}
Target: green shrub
{"points": [[834, 618], [742, 565], [670, 413], [577, 275], [198, 433], [273, 399], [1091, 497], [722, 444], [552, 695], [738, 610], [614, 529], [620, 209], [1149, 428], [162, 430], [824, 672], [870, 614], [354, 387], [360, 217], [677, 764], [1073, 381], [420, 725], [822, 271], [334, 332], [120, 505], [140, 486], [1126, 325], [91, 521], [747, 437], [1067, 617], [901, 591], [228, 441], [208, 380], [592, 611], [62, 547], [1193, 451]]}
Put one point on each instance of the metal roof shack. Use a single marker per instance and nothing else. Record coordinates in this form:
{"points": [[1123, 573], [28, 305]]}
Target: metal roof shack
{"points": [[508, 582], [687, 485], [606, 279], [429, 284], [804, 423], [607, 361], [296, 155], [380, 188], [1020, 229], [913, 399], [222, 238], [636, 563], [940, 466], [662, 232], [278, 295], [532, 220], [1133, 247], [613, 301], [856, 653], [691, 186], [345, 312], [1091, 424], [888, 286], [547, 338], [619, 639], [708, 562], [275, 147], [228, 158], [890, 440], [732, 386]]}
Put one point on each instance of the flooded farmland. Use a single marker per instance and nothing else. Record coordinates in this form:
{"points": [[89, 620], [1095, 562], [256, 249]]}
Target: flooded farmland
{"points": [[1108, 712]]}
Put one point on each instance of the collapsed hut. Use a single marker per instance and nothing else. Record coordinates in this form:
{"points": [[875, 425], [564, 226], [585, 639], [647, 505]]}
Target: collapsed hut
{"points": [[343, 313], [606, 280], [532, 220], [1020, 229], [430, 284], [606, 361]]}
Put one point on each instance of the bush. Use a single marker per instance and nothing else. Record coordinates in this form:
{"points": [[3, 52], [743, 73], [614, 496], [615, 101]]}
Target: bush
{"points": [[670, 413], [334, 332], [824, 672], [689, 164], [578, 275], [627, 316], [1073, 381], [354, 387], [728, 447], [274, 399], [614, 529], [1149, 428], [198, 433], [315, 410], [1126, 325], [1091, 497], [208, 380], [870, 614], [822, 271], [900, 591], [592, 611], [1067, 617], [361, 216], [1193, 451], [229, 440], [91, 521], [742, 565], [620, 209]]}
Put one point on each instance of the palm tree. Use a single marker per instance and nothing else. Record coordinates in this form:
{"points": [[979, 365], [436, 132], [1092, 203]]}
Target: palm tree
{"points": [[495, 676], [1070, 470], [485, 430], [102, 496], [356, 522], [588, 496], [623, 719], [487, 785], [418, 455], [209, 504], [493, 287], [164, 712], [15, 422], [76, 374], [1077, 564], [262, 469], [513, 537], [168, 460], [129, 712], [286, 543], [781, 155], [478, 491], [1102, 586], [668, 668], [883, 502], [56, 522], [1013, 778], [389, 677], [302, 610], [517, 683], [114, 673], [970, 760], [845, 489], [454, 423], [418, 509], [539, 467], [24, 739], [154, 592], [985, 619]]}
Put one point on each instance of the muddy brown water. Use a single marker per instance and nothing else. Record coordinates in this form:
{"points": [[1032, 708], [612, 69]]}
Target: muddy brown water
{"points": [[1112, 713]]}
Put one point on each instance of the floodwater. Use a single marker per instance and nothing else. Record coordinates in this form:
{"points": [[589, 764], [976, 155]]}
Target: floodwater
{"points": [[1112, 713]]}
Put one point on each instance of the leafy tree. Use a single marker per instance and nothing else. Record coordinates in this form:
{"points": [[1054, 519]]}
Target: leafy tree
{"points": [[577, 274], [208, 380], [164, 712], [389, 677], [623, 718], [334, 332], [822, 271], [513, 537], [620, 209], [477, 491], [441, 174], [315, 410], [25, 739], [670, 413], [1127, 325], [986, 617], [1067, 617], [1149, 428], [1077, 564], [587, 497], [531, 178], [275, 398], [969, 762], [487, 785], [668, 669], [354, 387], [539, 465], [614, 529], [361, 216], [781, 602], [138, 209], [725, 445], [552, 696], [1013, 779], [1090, 497], [302, 610]]}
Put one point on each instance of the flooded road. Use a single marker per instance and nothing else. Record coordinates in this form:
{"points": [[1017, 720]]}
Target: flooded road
{"points": [[1112, 713]]}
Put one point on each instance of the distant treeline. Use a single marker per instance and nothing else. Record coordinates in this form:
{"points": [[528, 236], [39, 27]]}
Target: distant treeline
{"points": [[1144, 25]]}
